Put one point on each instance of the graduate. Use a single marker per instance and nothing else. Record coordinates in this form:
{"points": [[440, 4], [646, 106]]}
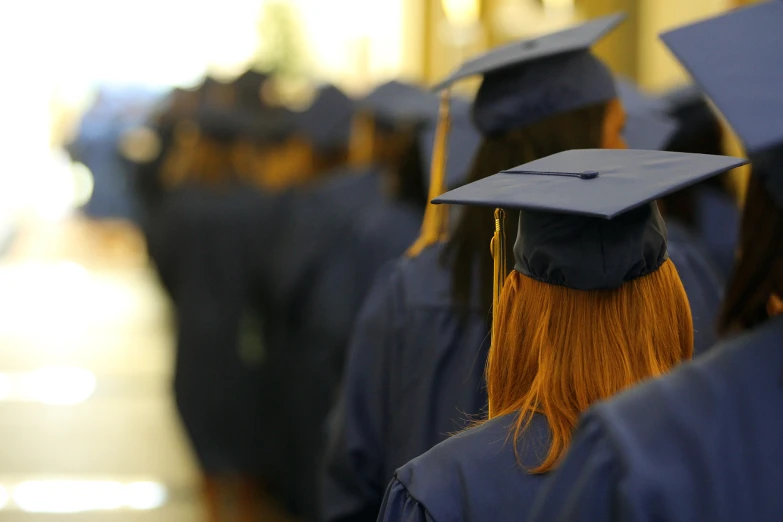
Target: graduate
{"points": [[340, 230], [592, 306], [203, 234], [419, 349], [703, 443], [411, 309], [708, 209]]}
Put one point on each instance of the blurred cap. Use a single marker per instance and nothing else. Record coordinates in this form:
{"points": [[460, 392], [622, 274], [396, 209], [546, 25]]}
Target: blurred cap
{"points": [[248, 88], [463, 143], [397, 103], [327, 122], [260, 126], [647, 124], [588, 219], [533, 79]]}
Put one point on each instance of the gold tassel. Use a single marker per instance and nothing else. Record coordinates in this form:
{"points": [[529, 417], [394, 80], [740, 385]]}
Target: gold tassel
{"points": [[434, 226], [498, 248], [360, 149]]}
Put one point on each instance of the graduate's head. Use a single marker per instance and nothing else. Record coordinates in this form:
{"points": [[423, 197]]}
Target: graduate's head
{"points": [[386, 132], [698, 131], [593, 304], [745, 88], [538, 97], [326, 127], [756, 285]]}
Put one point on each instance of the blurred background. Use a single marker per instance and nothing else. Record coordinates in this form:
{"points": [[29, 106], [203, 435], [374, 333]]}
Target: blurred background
{"points": [[89, 427]]}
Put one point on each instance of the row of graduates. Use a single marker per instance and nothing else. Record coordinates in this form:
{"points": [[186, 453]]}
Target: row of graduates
{"points": [[600, 298], [246, 235]]}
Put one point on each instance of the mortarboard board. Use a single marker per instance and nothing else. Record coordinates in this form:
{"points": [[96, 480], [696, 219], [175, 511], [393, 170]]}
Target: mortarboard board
{"points": [[327, 122], [397, 103], [532, 79], [741, 72], [587, 217], [647, 124]]}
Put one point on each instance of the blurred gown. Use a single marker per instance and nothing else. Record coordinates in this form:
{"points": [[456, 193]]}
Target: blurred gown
{"points": [[701, 444], [718, 222], [415, 372], [202, 243], [339, 235], [701, 279]]}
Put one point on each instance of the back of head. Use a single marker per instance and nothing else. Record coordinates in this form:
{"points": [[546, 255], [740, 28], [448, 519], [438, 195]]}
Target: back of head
{"points": [[558, 350], [467, 249], [757, 277]]}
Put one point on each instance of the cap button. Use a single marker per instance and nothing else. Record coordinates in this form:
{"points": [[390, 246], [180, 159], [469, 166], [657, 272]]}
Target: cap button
{"points": [[588, 174]]}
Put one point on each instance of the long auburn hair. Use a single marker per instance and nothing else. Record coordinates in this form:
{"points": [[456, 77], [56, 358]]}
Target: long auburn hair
{"points": [[467, 250], [758, 272], [559, 350]]}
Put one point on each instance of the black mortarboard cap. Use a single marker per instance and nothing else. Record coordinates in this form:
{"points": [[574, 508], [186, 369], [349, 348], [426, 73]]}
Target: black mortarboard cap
{"points": [[588, 220], [327, 122], [533, 79]]}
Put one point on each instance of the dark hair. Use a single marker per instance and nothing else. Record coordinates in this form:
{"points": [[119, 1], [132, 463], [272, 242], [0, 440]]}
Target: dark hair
{"points": [[758, 272], [699, 133], [403, 161], [467, 250]]}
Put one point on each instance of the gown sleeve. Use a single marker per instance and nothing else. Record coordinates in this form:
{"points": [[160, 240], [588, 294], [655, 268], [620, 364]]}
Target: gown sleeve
{"points": [[587, 486], [399, 506], [353, 482]]}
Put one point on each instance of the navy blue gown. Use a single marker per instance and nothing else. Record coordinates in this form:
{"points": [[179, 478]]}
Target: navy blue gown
{"points": [[472, 477], [341, 232], [700, 444], [414, 376], [701, 279], [415, 372], [201, 242], [718, 222]]}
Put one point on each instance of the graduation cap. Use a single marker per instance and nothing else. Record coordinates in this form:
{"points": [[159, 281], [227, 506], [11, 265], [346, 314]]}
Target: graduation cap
{"points": [[532, 79], [588, 220], [647, 124], [248, 86], [397, 103], [525, 82], [222, 124], [327, 122], [740, 71]]}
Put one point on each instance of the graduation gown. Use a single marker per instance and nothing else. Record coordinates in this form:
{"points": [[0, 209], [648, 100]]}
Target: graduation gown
{"points": [[718, 223], [202, 240], [342, 232], [471, 477], [701, 279], [700, 444], [414, 376]]}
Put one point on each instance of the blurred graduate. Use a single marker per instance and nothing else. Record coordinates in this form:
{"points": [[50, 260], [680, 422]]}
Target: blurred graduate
{"points": [[340, 230]]}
